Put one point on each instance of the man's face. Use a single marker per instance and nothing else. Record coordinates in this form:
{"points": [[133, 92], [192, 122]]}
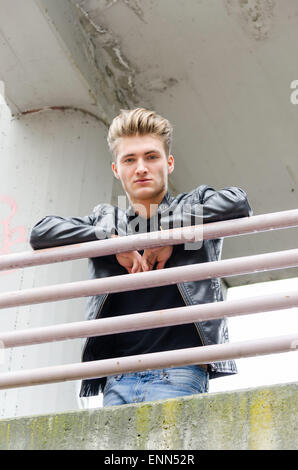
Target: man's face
{"points": [[143, 167]]}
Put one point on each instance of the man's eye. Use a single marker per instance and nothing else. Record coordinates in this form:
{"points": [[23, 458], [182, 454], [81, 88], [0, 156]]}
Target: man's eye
{"points": [[128, 160], [152, 157]]}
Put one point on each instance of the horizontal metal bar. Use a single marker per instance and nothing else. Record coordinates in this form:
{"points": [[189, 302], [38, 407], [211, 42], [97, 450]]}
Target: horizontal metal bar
{"points": [[146, 320], [161, 277], [174, 358], [226, 228]]}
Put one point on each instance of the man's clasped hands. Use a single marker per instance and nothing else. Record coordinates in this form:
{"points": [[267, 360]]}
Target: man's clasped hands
{"points": [[134, 262]]}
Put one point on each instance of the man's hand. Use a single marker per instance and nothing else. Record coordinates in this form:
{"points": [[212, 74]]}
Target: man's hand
{"points": [[158, 255], [131, 261]]}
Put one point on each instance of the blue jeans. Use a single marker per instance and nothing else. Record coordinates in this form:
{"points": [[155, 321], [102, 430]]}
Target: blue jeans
{"points": [[150, 385]]}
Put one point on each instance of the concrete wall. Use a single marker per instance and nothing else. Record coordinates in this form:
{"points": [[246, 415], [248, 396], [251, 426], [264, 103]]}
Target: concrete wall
{"points": [[261, 418], [52, 162]]}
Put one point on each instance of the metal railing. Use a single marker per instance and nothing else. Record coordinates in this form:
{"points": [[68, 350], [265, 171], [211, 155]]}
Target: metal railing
{"points": [[154, 319]]}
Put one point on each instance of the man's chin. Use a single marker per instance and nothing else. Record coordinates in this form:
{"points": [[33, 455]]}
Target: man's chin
{"points": [[144, 193]]}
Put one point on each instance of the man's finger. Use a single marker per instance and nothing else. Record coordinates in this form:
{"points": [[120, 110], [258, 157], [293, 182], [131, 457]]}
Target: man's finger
{"points": [[149, 262], [135, 267], [160, 265], [145, 265], [138, 269]]}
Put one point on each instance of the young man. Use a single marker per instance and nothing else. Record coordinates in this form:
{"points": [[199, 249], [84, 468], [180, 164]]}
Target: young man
{"points": [[140, 141]]}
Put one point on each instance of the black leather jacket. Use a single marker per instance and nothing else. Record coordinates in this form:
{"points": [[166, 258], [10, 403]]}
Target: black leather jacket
{"points": [[228, 203]]}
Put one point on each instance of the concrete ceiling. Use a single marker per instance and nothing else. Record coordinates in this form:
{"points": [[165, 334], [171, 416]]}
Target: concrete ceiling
{"points": [[219, 70]]}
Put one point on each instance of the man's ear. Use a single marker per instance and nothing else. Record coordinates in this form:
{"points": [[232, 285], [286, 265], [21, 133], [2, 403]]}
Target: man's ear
{"points": [[115, 170], [171, 164]]}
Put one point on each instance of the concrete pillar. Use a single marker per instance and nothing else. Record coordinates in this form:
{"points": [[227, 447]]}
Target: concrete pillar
{"points": [[56, 162]]}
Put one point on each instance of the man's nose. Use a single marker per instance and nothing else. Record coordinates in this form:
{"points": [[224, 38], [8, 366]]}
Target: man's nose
{"points": [[141, 167]]}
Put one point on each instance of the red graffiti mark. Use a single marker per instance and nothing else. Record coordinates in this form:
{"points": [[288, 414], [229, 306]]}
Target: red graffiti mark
{"points": [[9, 233]]}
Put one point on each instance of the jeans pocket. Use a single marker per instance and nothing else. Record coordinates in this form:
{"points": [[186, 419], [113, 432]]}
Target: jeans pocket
{"points": [[195, 381], [111, 380]]}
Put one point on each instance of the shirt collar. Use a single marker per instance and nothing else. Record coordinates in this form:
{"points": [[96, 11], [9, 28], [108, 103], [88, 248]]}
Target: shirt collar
{"points": [[130, 212]]}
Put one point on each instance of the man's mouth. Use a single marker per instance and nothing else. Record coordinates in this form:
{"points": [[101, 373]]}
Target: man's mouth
{"points": [[143, 180]]}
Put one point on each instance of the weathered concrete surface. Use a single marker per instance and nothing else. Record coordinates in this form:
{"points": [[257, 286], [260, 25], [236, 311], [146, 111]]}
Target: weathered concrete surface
{"points": [[53, 162], [260, 418]]}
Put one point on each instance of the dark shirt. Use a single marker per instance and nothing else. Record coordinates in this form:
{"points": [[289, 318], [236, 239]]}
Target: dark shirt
{"points": [[151, 340]]}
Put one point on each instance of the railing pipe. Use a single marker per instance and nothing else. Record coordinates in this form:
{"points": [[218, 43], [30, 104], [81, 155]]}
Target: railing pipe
{"points": [[222, 229], [162, 277], [146, 320], [174, 358]]}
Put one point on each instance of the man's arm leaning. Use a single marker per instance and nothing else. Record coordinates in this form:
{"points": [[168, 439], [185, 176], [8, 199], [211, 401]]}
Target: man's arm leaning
{"points": [[54, 230], [228, 203]]}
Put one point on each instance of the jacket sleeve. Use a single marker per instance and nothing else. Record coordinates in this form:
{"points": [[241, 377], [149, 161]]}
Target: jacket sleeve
{"points": [[53, 231], [228, 203]]}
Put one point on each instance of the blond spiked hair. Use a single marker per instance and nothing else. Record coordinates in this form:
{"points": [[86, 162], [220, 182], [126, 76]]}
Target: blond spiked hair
{"points": [[139, 121]]}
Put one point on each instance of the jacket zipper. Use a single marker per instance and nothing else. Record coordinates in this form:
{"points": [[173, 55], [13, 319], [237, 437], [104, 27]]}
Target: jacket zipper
{"points": [[97, 315]]}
